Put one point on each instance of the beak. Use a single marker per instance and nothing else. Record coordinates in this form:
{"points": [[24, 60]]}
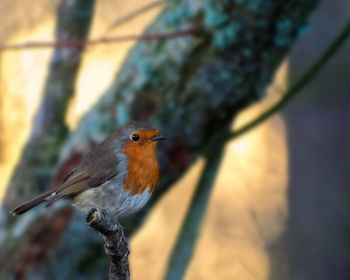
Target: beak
{"points": [[158, 138]]}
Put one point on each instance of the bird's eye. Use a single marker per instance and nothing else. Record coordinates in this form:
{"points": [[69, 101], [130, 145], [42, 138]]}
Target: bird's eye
{"points": [[135, 137]]}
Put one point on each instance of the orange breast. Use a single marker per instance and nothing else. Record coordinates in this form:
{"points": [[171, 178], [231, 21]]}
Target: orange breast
{"points": [[142, 167]]}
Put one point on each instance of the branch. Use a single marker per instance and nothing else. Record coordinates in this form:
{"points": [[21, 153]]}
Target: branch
{"points": [[104, 40], [299, 85], [115, 242]]}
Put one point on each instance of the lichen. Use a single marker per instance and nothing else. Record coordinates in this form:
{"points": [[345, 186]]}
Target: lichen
{"points": [[227, 36], [284, 29], [259, 6], [214, 17]]}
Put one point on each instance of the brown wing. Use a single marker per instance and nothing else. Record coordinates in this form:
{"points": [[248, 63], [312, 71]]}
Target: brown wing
{"points": [[99, 166]]}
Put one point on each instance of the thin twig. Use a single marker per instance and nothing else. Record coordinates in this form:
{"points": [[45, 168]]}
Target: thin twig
{"points": [[134, 14], [104, 40], [299, 85], [115, 242]]}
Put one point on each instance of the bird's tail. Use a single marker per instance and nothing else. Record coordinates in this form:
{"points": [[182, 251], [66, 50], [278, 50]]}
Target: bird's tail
{"points": [[30, 204]]}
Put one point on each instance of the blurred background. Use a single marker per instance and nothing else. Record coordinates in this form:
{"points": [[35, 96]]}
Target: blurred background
{"points": [[280, 205]]}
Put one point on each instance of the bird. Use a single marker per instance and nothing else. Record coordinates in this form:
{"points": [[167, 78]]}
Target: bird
{"points": [[119, 175]]}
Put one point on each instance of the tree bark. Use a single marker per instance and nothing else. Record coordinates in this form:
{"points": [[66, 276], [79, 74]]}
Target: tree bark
{"points": [[115, 242], [189, 88]]}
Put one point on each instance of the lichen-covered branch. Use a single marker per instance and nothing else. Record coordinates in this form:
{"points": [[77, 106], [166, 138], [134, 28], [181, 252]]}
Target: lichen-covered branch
{"points": [[49, 131], [115, 242]]}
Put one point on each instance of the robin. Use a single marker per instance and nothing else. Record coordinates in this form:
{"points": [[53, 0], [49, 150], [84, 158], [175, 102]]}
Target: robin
{"points": [[118, 175]]}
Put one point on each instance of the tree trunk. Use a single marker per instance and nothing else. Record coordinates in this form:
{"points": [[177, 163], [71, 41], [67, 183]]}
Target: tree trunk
{"points": [[189, 87]]}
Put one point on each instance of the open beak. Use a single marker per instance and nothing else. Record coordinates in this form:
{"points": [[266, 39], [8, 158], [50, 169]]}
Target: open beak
{"points": [[158, 138]]}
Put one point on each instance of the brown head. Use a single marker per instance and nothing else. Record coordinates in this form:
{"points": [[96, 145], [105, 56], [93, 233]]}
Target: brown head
{"points": [[138, 142]]}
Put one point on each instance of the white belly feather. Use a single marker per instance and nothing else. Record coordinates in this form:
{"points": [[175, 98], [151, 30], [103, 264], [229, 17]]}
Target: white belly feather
{"points": [[111, 196]]}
